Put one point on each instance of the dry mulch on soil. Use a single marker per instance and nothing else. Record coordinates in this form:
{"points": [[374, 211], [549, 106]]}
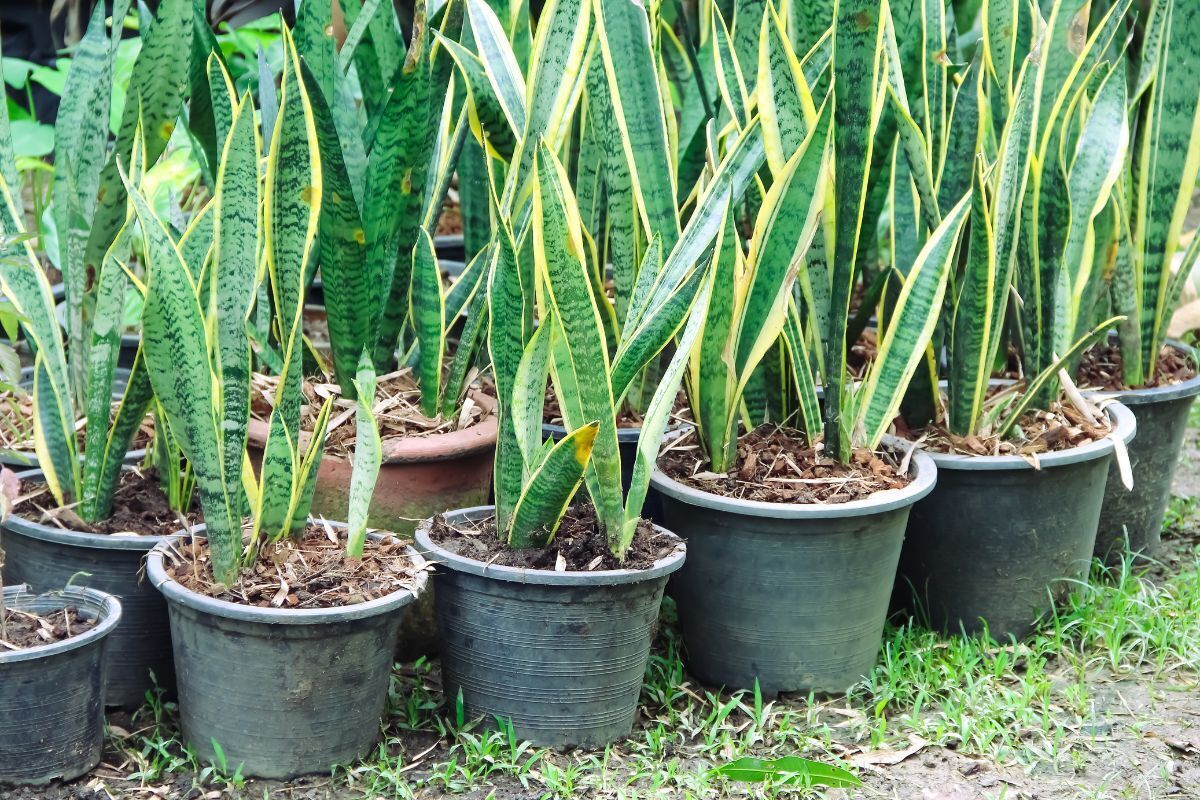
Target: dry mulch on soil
{"points": [[1062, 426], [139, 507], [309, 572], [396, 409], [775, 465], [1102, 368], [20, 630], [578, 545]]}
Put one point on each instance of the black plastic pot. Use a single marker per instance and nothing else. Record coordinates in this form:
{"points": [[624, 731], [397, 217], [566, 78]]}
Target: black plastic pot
{"points": [[794, 596], [139, 651], [1162, 416], [51, 697], [561, 655], [997, 542], [450, 248], [283, 692]]}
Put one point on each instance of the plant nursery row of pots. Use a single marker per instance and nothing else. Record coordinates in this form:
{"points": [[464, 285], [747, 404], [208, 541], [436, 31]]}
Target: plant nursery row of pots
{"points": [[810, 317]]}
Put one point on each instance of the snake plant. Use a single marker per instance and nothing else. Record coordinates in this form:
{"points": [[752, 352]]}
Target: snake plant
{"points": [[1152, 195], [73, 375], [199, 293], [387, 164]]}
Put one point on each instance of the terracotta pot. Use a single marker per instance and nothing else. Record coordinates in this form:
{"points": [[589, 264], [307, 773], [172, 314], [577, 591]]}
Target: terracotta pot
{"points": [[420, 478]]}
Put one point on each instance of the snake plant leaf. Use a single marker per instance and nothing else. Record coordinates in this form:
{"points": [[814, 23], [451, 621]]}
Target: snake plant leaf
{"points": [[398, 172], [1007, 35], [368, 456], [156, 90], [803, 372], [558, 248], [356, 32], [910, 329], [747, 22], [378, 54], [135, 403], [176, 350], [8, 163], [964, 137], [713, 375], [1167, 161], [104, 343], [857, 66], [313, 37], [465, 288], [1099, 156], [223, 104], [202, 91], [342, 249], [81, 136], [550, 488], [236, 225], [730, 79], [500, 64], [618, 218], [54, 434], [306, 478], [471, 337], [785, 102], [429, 318], [529, 391], [783, 233], [492, 123], [732, 177], [636, 99], [808, 22], [654, 423], [556, 62], [917, 147], [976, 322], [506, 345], [291, 213]]}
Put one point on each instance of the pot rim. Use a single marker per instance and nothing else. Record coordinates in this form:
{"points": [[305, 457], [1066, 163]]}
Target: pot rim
{"points": [[174, 592], [471, 441], [1119, 413], [542, 577], [624, 435], [109, 611], [878, 503], [1158, 394], [24, 526]]}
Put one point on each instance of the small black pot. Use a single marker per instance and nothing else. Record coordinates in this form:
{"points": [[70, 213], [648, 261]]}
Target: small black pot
{"points": [[450, 249], [561, 655], [51, 697], [794, 596], [139, 652], [283, 692], [1162, 416], [997, 542]]}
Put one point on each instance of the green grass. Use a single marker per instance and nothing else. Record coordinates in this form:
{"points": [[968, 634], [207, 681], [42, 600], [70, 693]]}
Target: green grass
{"points": [[1012, 703]]}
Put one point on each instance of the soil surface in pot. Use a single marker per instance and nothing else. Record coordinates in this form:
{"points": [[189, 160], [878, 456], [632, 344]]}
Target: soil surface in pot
{"points": [[309, 572], [397, 411], [21, 629], [139, 506], [578, 544], [449, 222], [776, 465], [1063, 426], [16, 424], [1102, 368]]}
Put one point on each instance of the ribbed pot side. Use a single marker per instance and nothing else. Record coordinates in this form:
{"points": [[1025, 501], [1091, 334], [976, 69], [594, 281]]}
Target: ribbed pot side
{"points": [[138, 655], [794, 596], [997, 542], [1162, 417], [52, 697], [562, 655], [283, 692]]}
